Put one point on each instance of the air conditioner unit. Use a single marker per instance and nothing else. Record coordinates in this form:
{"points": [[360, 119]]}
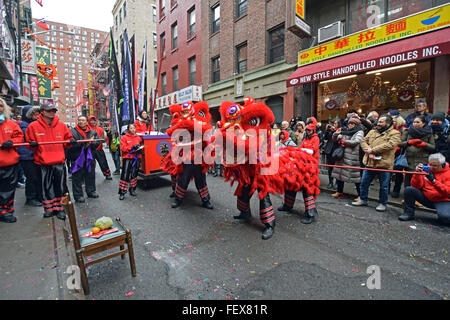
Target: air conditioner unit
{"points": [[332, 31]]}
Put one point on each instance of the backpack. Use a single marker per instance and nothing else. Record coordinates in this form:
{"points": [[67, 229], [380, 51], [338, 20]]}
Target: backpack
{"points": [[115, 144]]}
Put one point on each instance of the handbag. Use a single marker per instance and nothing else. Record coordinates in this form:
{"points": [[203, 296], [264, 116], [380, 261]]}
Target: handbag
{"points": [[401, 160], [329, 148], [338, 153]]}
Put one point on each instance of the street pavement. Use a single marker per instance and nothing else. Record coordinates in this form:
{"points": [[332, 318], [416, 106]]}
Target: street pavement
{"points": [[192, 253]]}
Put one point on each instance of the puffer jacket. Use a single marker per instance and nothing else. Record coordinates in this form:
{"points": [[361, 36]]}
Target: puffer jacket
{"points": [[384, 145], [9, 130], [439, 191], [414, 154], [351, 158], [25, 153]]}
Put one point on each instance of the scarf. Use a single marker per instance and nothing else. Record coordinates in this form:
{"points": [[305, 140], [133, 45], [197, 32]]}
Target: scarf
{"points": [[419, 133], [380, 131], [351, 132], [82, 132]]}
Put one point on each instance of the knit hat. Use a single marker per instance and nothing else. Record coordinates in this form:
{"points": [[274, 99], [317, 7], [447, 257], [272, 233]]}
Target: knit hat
{"points": [[394, 113], [438, 116], [355, 119]]}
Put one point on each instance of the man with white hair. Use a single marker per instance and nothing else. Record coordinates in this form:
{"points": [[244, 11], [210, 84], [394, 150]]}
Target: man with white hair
{"points": [[431, 190]]}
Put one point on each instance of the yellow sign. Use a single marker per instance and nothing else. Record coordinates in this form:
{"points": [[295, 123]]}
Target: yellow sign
{"points": [[91, 95], [425, 21], [300, 8]]}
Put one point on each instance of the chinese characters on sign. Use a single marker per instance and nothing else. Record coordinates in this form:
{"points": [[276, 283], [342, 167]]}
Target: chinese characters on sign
{"points": [[44, 84], [192, 93], [425, 21], [28, 56]]}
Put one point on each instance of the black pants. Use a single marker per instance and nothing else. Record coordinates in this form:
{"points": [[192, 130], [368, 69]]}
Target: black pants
{"points": [[174, 182], [412, 195], [33, 185], [189, 171], [83, 175], [399, 179], [8, 182], [266, 212], [289, 199], [340, 187], [54, 187], [100, 156], [128, 178]]}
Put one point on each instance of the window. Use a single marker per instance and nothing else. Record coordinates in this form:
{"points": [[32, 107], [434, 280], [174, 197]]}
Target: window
{"points": [[155, 40], [162, 10], [192, 71], [276, 44], [241, 8], [124, 9], [163, 44], [241, 58], [173, 2], [120, 15], [116, 23], [215, 18], [154, 13], [163, 84], [155, 69], [215, 69], [174, 36], [175, 78], [191, 22]]}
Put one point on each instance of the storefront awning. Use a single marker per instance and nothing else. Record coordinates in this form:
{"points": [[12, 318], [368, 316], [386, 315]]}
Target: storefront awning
{"points": [[409, 50]]}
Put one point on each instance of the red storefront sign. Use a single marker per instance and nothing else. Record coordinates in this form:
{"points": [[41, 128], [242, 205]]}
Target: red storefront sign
{"points": [[418, 48], [34, 88]]}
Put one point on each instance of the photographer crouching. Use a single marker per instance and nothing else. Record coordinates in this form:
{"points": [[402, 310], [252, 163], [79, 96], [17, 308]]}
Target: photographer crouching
{"points": [[431, 190]]}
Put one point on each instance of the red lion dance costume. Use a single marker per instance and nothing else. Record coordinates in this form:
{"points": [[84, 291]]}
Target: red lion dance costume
{"points": [[187, 129], [248, 128]]}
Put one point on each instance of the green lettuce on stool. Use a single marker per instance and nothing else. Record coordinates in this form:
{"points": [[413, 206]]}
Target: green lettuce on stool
{"points": [[104, 223]]}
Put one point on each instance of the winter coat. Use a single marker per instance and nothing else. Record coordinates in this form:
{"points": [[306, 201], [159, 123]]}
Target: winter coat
{"points": [[351, 158], [74, 152], [382, 144], [100, 132], [126, 144], [416, 155], [442, 140], [9, 130], [41, 131], [312, 144], [439, 191], [25, 153], [410, 118], [142, 126]]}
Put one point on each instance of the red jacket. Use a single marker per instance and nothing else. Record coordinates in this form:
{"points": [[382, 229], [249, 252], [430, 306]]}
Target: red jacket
{"points": [[313, 144], [9, 130], [126, 143], [439, 191], [41, 131], [141, 126], [99, 131]]}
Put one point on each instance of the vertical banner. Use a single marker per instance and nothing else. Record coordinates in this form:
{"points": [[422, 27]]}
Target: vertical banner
{"points": [[142, 101], [34, 88], [43, 57], [28, 56], [128, 108]]}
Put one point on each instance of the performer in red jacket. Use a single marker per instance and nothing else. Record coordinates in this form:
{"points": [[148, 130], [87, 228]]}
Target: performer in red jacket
{"points": [[10, 133], [142, 125], [432, 190], [50, 158], [131, 161], [99, 153]]}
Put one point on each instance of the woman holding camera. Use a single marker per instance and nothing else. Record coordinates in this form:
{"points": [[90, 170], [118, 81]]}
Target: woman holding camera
{"points": [[418, 140], [130, 145]]}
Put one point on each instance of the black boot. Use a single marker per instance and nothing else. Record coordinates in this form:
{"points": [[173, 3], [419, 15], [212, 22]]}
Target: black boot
{"points": [[172, 195], [121, 196], [269, 230], [133, 192], [310, 216], [284, 208], [406, 217], [243, 216], [330, 185], [177, 202], [207, 205]]}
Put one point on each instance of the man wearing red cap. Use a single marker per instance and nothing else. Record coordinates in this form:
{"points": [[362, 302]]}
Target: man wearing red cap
{"points": [[99, 153], [50, 158]]}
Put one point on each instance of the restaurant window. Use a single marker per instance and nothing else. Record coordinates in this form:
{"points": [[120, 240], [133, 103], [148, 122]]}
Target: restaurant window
{"points": [[215, 69], [191, 22], [364, 14], [174, 36], [241, 8], [175, 78], [215, 18], [401, 8], [163, 84], [398, 87], [241, 58], [192, 71], [276, 44]]}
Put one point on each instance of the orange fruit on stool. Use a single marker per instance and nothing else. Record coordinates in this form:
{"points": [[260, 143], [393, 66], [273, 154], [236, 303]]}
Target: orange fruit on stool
{"points": [[95, 230]]}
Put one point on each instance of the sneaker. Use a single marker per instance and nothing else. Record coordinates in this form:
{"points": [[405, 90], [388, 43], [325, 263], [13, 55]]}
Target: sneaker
{"points": [[20, 185], [116, 173], [357, 199], [33, 203], [108, 177], [121, 196], [405, 217], [80, 200], [381, 208], [360, 203], [8, 219], [93, 195], [418, 204]]}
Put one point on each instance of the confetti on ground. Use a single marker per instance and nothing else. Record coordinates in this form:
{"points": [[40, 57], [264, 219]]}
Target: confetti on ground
{"points": [[248, 260], [129, 293], [252, 272], [228, 298], [413, 227], [8, 286], [355, 270]]}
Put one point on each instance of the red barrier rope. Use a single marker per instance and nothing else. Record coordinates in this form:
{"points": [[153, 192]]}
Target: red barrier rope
{"points": [[372, 169], [26, 144]]}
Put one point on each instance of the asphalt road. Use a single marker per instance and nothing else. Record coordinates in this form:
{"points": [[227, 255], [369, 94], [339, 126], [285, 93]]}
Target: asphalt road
{"points": [[195, 253], [200, 254]]}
